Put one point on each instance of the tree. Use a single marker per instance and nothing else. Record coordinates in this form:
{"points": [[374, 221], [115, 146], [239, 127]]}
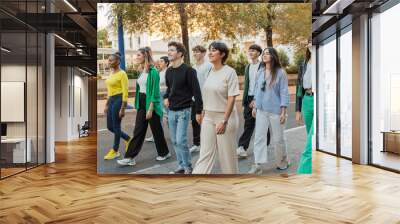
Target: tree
{"points": [[102, 38], [293, 25], [179, 19], [239, 64], [283, 58], [282, 23], [260, 17]]}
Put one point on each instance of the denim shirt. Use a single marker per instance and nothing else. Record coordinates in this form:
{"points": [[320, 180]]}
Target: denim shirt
{"points": [[273, 97]]}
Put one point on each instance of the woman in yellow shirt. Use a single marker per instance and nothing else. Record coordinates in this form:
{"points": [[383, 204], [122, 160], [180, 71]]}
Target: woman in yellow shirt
{"points": [[117, 87]]}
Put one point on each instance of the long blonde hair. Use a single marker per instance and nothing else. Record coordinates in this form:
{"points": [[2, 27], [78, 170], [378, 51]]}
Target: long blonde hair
{"points": [[148, 59]]}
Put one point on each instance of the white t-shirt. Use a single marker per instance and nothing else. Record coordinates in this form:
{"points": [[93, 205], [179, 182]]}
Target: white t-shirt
{"points": [[309, 81], [163, 85], [202, 71], [253, 68], [307, 78], [218, 86], [142, 81]]}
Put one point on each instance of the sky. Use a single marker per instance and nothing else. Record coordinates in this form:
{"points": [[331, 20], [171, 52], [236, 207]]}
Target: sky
{"points": [[102, 18]]}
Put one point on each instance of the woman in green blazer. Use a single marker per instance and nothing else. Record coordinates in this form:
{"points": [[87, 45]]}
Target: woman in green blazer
{"points": [[147, 104]]}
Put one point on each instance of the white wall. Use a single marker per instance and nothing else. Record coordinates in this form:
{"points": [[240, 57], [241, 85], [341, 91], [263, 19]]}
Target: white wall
{"points": [[14, 73], [71, 93], [33, 126]]}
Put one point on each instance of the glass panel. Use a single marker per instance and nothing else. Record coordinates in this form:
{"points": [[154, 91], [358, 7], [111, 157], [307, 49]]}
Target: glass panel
{"points": [[31, 98], [41, 99], [385, 86], [327, 96], [346, 94], [13, 77], [22, 86]]}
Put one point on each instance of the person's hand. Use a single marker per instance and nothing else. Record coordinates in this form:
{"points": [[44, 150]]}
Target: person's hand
{"points": [[299, 118], [105, 110], [252, 104], [149, 114], [166, 103], [220, 129], [254, 112], [121, 113], [282, 118], [199, 118]]}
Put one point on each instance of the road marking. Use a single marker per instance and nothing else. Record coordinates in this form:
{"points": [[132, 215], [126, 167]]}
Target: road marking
{"points": [[145, 169], [100, 130], [294, 129]]}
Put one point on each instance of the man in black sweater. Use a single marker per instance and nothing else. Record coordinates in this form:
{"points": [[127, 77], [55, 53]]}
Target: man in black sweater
{"points": [[182, 86]]}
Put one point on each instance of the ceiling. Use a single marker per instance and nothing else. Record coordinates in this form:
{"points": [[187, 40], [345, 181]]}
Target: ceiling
{"points": [[74, 22], [330, 13]]}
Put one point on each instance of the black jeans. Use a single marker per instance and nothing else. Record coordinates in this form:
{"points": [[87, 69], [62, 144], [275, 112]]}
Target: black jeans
{"points": [[195, 126], [139, 133], [249, 125]]}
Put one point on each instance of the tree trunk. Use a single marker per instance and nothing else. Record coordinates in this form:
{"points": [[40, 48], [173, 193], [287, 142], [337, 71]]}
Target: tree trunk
{"points": [[268, 28], [184, 30], [268, 32]]}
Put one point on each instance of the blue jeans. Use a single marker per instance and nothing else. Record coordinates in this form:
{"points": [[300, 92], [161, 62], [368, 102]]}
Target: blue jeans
{"points": [[178, 122], [113, 120]]}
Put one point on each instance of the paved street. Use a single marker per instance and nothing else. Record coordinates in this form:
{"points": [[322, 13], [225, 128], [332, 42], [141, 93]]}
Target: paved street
{"points": [[146, 163]]}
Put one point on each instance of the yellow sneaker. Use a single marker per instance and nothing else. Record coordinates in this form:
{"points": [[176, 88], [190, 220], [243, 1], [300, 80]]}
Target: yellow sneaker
{"points": [[127, 144], [111, 155]]}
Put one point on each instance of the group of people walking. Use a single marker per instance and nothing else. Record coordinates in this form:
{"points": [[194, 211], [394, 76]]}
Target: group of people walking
{"points": [[204, 95]]}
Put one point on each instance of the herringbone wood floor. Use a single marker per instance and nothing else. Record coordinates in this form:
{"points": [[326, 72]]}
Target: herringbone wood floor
{"points": [[70, 191]]}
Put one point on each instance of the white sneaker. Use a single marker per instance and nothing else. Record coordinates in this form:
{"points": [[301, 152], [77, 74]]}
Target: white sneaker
{"points": [[162, 158], [255, 169], [149, 139], [126, 162], [241, 152], [194, 148]]}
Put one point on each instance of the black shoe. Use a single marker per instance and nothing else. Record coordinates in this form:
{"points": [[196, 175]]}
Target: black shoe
{"points": [[178, 171], [278, 168]]}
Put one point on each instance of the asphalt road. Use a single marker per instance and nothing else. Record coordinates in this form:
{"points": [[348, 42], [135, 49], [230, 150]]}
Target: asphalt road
{"points": [[146, 163]]}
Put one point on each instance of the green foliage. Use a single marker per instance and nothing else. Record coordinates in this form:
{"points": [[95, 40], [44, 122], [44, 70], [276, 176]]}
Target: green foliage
{"points": [[238, 64], [132, 71], [290, 23], [292, 69], [293, 24], [133, 74], [215, 20], [102, 39], [299, 57], [283, 58]]}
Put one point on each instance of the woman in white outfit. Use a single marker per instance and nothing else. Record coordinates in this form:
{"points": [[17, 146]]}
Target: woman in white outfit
{"points": [[220, 119], [271, 102]]}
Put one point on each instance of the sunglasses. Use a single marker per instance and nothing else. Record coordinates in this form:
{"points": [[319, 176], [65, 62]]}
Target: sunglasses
{"points": [[263, 86]]}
